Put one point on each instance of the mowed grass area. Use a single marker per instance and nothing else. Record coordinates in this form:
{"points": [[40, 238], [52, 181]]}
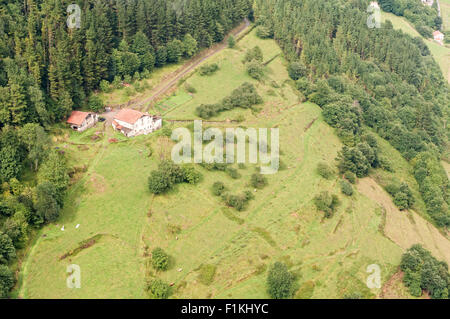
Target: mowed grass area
{"points": [[440, 53], [111, 201]]}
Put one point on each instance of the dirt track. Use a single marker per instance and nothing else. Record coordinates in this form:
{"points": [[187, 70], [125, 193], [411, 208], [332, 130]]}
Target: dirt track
{"points": [[174, 77]]}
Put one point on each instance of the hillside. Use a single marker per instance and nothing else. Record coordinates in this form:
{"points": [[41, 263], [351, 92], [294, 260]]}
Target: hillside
{"points": [[96, 106], [280, 224]]}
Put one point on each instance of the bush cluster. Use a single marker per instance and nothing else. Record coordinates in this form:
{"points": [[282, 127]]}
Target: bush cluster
{"points": [[403, 197], [208, 69], [326, 203], [244, 96], [168, 174], [424, 272]]}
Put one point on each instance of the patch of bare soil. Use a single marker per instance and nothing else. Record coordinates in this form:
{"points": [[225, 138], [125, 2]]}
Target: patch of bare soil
{"points": [[406, 230]]}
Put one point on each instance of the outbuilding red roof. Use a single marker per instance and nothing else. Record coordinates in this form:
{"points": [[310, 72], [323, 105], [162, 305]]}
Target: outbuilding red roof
{"points": [[77, 117], [129, 116]]}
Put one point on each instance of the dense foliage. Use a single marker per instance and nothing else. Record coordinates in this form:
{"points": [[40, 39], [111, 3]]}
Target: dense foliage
{"points": [[424, 272], [169, 174], [361, 77], [280, 282], [159, 289], [160, 259], [245, 96], [46, 68], [326, 203]]}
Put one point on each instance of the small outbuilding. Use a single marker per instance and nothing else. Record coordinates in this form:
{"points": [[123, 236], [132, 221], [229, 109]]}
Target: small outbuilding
{"points": [[438, 36], [81, 121]]}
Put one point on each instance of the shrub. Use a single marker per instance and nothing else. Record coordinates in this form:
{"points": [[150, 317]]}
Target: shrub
{"points": [[297, 70], [324, 170], [280, 282], [105, 86], [385, 164], [254, 54], [7, 250], [255, 69], [160, 259], [248, 195], [258, 180], [158, 182], [351, 177], [191, 175], [207, 111], [231, 42], [159, 289], [401, 200], [234, 174], [190, 88], [95, 103], [235, 201], [6, 281], [218, 188], [263, 32], [206, 274], [208, 69], [326, 203], [168, 174], [346, 188], [402, 195]]}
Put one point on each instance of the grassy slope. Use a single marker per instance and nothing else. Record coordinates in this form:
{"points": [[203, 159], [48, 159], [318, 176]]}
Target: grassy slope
{"points": [[440, 53], [280, 224], [445, 12]]}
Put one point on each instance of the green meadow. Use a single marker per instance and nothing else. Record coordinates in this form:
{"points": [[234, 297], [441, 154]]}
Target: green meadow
{"points": [[123, 222]]}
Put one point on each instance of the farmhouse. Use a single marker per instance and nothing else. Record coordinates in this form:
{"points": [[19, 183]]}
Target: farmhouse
{"points": [[438, 36], [81, 121], [132, 123]]}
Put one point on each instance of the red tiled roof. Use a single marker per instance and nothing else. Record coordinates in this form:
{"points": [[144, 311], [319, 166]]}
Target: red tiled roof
{"points": [[129, 116], [77, 117], [437, 32], [117, 125]]}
